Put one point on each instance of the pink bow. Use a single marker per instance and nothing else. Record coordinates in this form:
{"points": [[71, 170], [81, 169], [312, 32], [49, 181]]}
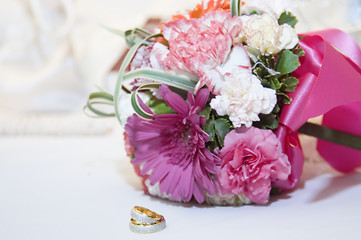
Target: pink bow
{"points": [[330, 85]]}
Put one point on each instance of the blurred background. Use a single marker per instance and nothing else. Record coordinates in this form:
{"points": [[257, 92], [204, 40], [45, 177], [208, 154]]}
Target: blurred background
{"points": [[54, 53]]}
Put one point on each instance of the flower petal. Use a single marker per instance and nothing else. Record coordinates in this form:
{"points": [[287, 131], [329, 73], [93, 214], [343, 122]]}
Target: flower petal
{"points": [[173, 100], [202, 98], [198, 193]]}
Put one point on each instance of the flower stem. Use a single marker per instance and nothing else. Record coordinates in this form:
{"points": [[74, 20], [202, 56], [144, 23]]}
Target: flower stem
{"points": [[331, 135]]}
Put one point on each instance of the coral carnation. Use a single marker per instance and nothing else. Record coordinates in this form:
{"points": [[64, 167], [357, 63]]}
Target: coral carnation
{"points": [[202, 47]]}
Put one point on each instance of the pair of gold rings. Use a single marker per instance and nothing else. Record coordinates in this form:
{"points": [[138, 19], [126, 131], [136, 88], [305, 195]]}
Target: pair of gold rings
{"points": [[145, 221]]}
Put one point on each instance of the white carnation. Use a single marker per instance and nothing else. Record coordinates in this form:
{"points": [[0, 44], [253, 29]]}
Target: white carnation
{"points": [[263, 33], [243, 98]]}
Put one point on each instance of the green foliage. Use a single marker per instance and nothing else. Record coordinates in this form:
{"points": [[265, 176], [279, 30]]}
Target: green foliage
{"points": [[99, 98], [138, 109], [136, 35], [290, 84], [287, 62], [267, 121], [159, 106], [299, 51], [287, 17], [283, 98], [160, 76], [235, 6], [206, 112], [275, 191], [274, 83], [276, 109], [217, 129]]}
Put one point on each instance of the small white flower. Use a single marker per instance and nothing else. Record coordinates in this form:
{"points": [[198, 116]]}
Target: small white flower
{"points": [[263, 33], [243, 98]]}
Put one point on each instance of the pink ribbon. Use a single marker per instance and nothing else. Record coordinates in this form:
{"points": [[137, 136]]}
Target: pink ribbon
{"points": [[330, 85]]}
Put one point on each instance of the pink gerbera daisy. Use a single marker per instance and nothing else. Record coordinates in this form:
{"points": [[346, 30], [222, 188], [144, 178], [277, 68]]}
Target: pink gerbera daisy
{"points": [[171, 149]]}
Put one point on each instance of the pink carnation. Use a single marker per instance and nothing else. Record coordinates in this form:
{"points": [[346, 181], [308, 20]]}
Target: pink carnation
{"points": [[252, 159]]}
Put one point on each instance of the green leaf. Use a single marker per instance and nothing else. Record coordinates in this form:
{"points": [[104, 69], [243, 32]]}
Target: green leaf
{"points": [[287, 62], [135, 101], [210, 130], [265, 83], [206, 112], [160, 76], [275, 191], [267, 121], [158, 106], [269, 61], [136, 35], [101, 95], [222, 127], [285, 98], [290, 81], [290, 84], [276, 109], [235, 8], [217, 129], [287, 17], [98, 98], [258, 71], [275, 84], [299, 51]]}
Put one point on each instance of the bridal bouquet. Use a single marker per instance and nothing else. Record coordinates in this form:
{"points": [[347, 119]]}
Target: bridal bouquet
{"points": [[212, 101]]}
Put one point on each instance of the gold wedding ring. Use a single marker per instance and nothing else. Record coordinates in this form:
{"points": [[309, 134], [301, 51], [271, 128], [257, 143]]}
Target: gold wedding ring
{"points": [[145, 221], [145, 215]]}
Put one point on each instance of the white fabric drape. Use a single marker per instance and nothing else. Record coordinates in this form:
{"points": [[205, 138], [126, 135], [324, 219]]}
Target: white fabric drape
{"points": [[53, 53]]}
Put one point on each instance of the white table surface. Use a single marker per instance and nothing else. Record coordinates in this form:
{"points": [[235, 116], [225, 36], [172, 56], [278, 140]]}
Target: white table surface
{"points": [[73, 188]]}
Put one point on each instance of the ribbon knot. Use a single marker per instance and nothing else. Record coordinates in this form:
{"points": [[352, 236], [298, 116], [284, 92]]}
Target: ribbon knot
{"points": [[330, 84]]}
